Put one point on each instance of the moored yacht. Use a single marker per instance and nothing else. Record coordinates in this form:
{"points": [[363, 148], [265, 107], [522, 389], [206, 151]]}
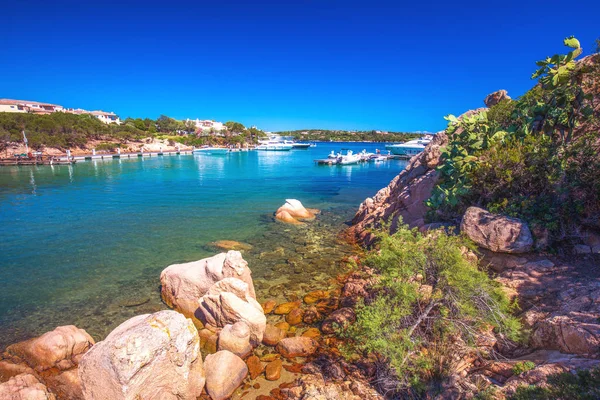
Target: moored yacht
{"points": [[410, 148], [274, 145], [212, 150]]}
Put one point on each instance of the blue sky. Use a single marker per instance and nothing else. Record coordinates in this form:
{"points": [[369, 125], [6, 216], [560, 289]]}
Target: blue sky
{"points": [[283, 64]]}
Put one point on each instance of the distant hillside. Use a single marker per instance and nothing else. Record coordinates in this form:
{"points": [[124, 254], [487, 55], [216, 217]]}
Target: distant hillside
{"points": [[324, 135]]}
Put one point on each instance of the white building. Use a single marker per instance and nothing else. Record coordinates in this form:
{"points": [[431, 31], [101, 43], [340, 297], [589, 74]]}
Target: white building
{"points": [[207, 124], [27, 106], [106, 117], [35, 107]]}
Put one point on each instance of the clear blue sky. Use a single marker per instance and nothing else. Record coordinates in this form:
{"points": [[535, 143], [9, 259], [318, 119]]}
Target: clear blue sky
{"points": [[283, 64]]}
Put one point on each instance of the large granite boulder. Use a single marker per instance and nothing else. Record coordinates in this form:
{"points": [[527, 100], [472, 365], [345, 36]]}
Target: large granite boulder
{"points": [[183, 284], [225, 372], [494, 98], [229, 301], [569, 335], [236, 339], [496, 232], [24, 387], [293, 211], [151, 356], [61, 348]]}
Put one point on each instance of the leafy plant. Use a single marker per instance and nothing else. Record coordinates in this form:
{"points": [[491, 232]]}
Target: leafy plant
{"points": [[432, 301], [522, 366]]}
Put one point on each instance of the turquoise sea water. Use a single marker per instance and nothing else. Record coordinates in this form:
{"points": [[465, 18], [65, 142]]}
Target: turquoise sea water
{"points": [[85, 244]]}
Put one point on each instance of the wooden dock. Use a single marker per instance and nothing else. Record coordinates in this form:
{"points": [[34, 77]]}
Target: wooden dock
{"points": [[110, 156], [64, 160]]}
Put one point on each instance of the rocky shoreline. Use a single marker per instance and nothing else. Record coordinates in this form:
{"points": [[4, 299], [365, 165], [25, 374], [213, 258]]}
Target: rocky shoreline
{"points": [[221, 341]]}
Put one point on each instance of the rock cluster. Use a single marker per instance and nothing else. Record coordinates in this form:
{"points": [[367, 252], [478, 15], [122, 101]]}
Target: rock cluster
{"points": [[229, 301], [46, 366], [183, 284]]}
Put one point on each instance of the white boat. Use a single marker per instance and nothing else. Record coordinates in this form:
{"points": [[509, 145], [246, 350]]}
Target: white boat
{"points": [[301, 145], [349, 158], [410, 148], [211, 150], [274, 145]]}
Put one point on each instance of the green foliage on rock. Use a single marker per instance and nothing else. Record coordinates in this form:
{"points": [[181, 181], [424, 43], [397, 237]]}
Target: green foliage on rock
{"points": [[529, 158], [522, 366], [432, 303], [582, 385]]}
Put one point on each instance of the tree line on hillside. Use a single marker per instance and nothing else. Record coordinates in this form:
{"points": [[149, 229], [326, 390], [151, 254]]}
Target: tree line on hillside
{"points": [[324, 135], [64, 131]]}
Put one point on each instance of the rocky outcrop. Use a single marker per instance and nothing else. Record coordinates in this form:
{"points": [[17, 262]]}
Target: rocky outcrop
{"points": [[183, 284], [496, 232], [496, 97], [152, 356], [225, 372], [404, 198], [24, 387], [61, 348], [293, 212], [229, 301]]}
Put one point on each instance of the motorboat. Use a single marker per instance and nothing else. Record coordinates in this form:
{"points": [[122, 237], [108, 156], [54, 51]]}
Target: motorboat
{"points": [[212, 150], [274, 145], [301, 146], [349, 158], [410, 148]]}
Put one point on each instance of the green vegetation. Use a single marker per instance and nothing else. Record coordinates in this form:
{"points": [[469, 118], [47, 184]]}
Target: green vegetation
{"points": [[64, 131], [522, 366], [61, 130], [535, 158], [323, 135], [431, 304], [583, 385]]}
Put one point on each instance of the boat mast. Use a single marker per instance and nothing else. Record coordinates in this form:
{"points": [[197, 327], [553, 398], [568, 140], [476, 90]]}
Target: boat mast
{"points": [[25, 141]]}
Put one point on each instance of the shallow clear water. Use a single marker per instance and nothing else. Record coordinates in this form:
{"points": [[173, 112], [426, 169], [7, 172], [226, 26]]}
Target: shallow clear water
{"points": [[85, 244]]}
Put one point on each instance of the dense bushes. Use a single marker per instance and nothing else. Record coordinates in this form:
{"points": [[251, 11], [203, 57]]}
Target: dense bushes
{"points": [[61, 130], [432, 303], [536, 158]]}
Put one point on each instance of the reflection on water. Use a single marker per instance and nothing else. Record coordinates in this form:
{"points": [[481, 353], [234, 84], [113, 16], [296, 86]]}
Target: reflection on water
{"points": [[85, 244]]}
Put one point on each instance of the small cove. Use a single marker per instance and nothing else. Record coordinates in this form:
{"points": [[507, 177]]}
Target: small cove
{"points": [[85, 245]]}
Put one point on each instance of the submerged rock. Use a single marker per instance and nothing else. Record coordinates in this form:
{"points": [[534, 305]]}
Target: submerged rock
{"points": [[152, 356], [496, 232], [183, 284], [225, 372], [231, 245], [229, 301], [298, 346]]}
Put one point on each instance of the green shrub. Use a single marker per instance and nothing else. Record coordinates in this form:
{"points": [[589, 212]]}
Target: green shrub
{"points": [[583, 385], [522, 366], [429, 296]]}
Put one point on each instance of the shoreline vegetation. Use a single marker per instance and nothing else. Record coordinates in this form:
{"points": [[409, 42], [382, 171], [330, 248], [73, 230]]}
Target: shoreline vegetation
{"points": [[54, 133], [479, 280]]}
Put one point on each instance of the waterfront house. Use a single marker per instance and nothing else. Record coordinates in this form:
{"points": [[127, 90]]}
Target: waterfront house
{"points": [[34, 107]]}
